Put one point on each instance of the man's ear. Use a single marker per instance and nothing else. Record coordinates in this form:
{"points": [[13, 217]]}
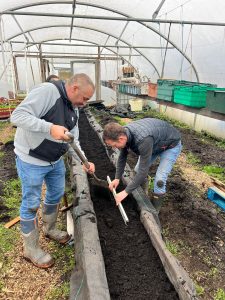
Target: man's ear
{"points": [[122, 138], [75, 87]]}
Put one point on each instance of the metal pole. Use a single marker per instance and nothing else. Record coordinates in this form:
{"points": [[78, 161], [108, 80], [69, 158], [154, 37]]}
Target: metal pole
{"points": [[3, 50], [74, 54], [111, 18], [87, 45], [158, 9], [71, 26], [16, 74], [98, 77], [68, 57]]}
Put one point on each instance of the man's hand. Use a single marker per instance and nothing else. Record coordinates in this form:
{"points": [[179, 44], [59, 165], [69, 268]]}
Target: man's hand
{"points": [[91, 169], [121, 196], [58, 132], [114, 184]]}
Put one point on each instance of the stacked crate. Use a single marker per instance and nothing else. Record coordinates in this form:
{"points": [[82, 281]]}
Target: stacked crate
{"points": [[215, 100]]}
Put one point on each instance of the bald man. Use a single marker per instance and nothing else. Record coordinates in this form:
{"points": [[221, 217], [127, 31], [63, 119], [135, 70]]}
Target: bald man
{"points": [[42, 120]]}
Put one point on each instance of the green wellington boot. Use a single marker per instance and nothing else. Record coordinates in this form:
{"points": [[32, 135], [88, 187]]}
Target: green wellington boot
{"points": [[49, 217], [32, 250]]}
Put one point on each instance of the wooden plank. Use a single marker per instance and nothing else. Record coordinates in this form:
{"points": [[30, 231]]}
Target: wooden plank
{"points": [[175, 272], [219, 184], [12, 222], [65, 208]]}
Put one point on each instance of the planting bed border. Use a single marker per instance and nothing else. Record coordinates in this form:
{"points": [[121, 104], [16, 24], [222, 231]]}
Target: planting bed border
{"points": [[88, 253], [88, 279]]}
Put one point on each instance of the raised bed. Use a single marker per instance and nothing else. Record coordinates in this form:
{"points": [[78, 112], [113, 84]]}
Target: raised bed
{"points": [[133, 267]]}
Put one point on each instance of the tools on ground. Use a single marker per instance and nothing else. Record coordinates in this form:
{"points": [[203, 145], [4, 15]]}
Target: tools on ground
{"points": [[12, 222], [122, 211], [99, 181], [69, 218]]}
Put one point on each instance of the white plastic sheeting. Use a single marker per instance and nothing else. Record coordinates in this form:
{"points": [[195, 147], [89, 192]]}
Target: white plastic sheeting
{"points": [[194, 51]]}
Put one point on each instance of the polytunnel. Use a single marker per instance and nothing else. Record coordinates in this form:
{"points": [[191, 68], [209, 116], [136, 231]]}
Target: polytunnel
{"points": [[161, 59], [163, 39]]}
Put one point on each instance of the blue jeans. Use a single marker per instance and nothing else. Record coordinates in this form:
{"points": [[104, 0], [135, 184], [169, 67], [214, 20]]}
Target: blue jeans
{"points": [[167, 160], [32, 178]]}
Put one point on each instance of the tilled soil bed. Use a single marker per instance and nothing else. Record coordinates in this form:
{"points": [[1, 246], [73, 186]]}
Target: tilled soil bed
{"points": [[133, 268], [193, 227]]}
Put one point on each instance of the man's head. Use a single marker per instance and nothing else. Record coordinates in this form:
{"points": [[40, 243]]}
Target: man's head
{"points": [[79, 89], [52, 78], [114, 135]]}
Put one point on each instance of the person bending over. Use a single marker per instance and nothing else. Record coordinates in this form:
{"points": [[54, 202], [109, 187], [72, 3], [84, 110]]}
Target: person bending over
{"points": [[148, 138]]}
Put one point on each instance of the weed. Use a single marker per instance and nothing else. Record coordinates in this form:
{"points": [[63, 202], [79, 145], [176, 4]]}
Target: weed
{"points": [[61, 255], [8, 238], [120, 120], [210, 137], [213, 272], [207, 261], [172, 247], [59, 293], [12, 196], [215, 171], [1, 285], [220, 295], [199, 289], [1, 157], [192, 159], [165, 232], [150, 183]]}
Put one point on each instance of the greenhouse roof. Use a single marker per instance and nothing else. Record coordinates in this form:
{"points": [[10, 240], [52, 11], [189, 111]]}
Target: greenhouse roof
{"points": [[182, 39]]}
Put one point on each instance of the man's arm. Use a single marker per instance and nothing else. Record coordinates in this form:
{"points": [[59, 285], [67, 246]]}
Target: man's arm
{"points": [[38, 102], [121, 163], [145, 150]]}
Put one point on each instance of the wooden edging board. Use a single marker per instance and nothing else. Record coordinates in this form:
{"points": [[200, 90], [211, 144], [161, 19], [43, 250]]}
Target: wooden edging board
{"points": [[88, 280]]}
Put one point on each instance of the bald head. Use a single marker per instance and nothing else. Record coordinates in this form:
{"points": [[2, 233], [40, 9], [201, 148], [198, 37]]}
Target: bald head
{"points": [[80, 89], [82, 80]]}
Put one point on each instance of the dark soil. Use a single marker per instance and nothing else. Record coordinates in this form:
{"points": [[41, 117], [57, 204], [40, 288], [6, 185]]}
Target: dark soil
{"points": [[7, 171], [192, 222], [133, 268], [208, 153]]}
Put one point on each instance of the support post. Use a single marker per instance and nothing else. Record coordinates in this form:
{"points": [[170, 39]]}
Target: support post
{"points": [[98, 77]]}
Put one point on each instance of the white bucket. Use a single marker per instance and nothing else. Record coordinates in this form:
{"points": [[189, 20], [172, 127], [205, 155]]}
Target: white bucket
{"points": [[136, 104]]}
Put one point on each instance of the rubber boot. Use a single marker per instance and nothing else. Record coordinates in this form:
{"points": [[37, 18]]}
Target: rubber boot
{"points": [[49, 217], [157, 201], [145, 186], [32, 250]]}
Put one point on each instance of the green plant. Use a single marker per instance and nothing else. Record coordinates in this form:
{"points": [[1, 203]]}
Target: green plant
{"points": [[8, 238], [215, 171], [207, 261], [220, 294], [172, 247], [150, 183], [61, 255], [213, 272], [192, 159], [199, 289], [59, 293], [120, 120], [12, 196]]}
